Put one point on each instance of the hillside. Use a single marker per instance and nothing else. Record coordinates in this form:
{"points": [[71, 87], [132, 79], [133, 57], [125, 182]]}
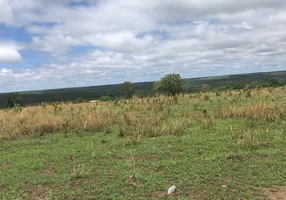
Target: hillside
{"points": [[143, 88]]}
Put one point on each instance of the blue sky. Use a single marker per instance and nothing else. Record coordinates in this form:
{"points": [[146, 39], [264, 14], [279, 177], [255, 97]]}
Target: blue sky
{"points": [[47, 44]]}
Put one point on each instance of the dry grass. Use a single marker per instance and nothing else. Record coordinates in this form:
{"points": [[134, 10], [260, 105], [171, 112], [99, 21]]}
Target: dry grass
{"points": [[150, 117], [259, 111]]}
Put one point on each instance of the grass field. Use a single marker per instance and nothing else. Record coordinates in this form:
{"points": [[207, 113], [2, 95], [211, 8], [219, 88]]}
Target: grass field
{"points": [[223, 145]]}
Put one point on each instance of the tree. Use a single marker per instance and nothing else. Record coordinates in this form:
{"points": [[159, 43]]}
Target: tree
{"points": [[108, 97], [205, 87], [79, 100], [13, 99], [128, 89], [104, 98], [111, 96], [275, 83], [171, 84]]}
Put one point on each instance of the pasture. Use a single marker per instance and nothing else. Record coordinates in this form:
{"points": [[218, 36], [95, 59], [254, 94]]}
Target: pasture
{"points": [[215, 145]]}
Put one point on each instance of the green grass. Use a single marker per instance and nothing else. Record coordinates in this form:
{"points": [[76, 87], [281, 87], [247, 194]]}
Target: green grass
{"points": [[218, 162]]}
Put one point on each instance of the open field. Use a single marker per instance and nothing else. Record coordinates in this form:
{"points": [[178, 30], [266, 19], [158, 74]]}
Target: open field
{"points": [[220, 145]]}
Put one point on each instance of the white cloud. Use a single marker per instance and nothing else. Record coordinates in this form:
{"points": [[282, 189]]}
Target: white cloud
{"points": [[54, 43], [9, 54], [5, 71], [121, 41], [6, 14], [194, 38]]}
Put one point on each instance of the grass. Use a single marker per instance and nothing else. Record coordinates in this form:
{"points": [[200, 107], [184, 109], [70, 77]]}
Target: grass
{"points": [[151, 117], [203, 165], [211, 146]]}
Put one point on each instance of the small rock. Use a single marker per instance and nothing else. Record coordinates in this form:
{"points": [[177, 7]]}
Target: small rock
{"points": [[171, 190]]}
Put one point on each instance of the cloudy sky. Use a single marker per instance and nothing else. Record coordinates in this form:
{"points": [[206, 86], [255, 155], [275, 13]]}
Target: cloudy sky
{"points": [[70, 43]]}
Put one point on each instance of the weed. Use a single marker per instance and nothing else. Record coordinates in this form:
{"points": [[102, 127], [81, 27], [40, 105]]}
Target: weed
{"points": [[17, 108], [79, 171]]}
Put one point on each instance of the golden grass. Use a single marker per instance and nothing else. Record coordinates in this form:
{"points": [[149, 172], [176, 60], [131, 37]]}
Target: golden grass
{"points": [[262, 111], [151, 117]]}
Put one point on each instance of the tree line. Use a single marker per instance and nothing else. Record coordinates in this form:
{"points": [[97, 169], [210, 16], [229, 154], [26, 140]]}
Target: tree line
{"points": [[170, 84]]}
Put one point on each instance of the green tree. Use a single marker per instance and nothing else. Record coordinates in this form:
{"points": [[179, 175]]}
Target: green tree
{"points": [[275, 83], [205, 87], [171, 84], [111, 96], [128, 89], [13, 99], [104, 98], [79, 100], [108, 97]]}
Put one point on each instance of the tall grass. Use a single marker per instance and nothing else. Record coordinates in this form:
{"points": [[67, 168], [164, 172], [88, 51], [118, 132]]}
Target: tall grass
{"points": [[151, 117]]}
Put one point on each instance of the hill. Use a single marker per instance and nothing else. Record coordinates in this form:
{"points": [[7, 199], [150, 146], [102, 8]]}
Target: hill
{"points": [[143, 88]]}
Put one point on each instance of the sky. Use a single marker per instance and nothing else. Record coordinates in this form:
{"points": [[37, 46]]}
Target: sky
{"points": [[46, 44]]}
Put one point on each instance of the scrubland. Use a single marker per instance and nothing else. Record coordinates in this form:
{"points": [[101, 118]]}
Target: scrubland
{"points": [[213, 145]]}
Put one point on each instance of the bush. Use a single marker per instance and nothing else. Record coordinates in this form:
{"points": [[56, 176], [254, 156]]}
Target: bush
{"points": [[172, 84], [105, 98], [79, 100]]}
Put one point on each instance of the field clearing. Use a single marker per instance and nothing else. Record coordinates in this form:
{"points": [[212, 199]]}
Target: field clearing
{"points": [[219, 145]]}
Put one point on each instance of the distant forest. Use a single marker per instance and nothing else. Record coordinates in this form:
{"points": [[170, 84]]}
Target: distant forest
{"points": [[144, 89]]}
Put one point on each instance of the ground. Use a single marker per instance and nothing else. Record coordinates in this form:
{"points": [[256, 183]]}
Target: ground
{"points": [[215, 145], [106, 166]]}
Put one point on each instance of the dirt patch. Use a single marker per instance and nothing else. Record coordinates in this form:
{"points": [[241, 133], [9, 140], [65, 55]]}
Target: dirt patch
{"points": [[197, 195], [276, 193], [2, 187], [37, 194], [72, 158], [48, 170], [158, 194], [77, 184], [6, 166]]}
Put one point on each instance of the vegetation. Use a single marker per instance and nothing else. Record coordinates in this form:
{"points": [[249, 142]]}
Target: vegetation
{"points": [[13, 99], [79, 100], [275, 83], [255, 80], [213, 145], [128, 89], [205, 88], [171, 84], [154, 116], [107, 97], [220, 143]]}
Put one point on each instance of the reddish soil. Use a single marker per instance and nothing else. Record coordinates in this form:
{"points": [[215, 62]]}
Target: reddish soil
{"points": [[158, 194], [6, 166], [276, 193]]}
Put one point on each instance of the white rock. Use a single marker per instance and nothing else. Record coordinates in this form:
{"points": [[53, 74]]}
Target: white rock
{"points": [[171, 190]]}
